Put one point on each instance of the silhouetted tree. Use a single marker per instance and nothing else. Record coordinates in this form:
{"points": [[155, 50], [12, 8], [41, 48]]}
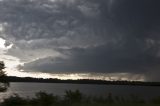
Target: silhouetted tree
{"points": [[4, 84]]}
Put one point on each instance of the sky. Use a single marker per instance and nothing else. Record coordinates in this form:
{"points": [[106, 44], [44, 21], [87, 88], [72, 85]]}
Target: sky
{"points": [[75, 39]]}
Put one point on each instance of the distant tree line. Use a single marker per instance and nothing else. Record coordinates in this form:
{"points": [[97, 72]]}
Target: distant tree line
{"points": [[4, 80], [80, 81]]}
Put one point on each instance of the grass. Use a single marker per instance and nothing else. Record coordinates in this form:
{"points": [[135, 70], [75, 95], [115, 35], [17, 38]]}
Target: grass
{"points": [[76, 98]]}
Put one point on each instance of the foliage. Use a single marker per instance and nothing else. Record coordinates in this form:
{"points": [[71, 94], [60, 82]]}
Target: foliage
{"points": [[76, 98], [43, 98], [73, 96], [4, 84], [14, 100], [156, 100]]}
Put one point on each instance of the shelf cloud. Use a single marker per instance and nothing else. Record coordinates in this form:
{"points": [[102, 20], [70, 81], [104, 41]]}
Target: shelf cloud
{"points": [[78, 36]]}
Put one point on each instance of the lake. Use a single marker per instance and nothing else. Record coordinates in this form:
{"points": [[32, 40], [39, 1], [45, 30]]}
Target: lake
{"points": [[29, 89]]}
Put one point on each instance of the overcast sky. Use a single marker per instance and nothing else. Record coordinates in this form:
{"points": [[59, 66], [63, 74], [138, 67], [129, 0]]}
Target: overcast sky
{"points": [[81, 38]]}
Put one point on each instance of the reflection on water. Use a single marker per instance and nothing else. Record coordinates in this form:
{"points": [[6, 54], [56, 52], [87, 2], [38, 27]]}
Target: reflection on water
{"points": [[29, 89]]}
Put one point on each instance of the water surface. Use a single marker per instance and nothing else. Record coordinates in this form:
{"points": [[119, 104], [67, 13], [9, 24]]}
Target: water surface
{"points": [[29, 89]]}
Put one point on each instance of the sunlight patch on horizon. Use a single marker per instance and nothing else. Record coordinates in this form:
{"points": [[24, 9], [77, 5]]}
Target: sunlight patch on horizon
{"points": [[75, 76], [10, 62], [2, 43]]}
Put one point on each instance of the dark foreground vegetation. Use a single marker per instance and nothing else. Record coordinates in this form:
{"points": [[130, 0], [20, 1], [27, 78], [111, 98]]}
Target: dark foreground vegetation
{"points": [[4, 84], [76, 98]]}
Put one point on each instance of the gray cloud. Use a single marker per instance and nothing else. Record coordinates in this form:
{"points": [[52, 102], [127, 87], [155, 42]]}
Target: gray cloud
{"points": [[28, 24], [98, 59], [38, 19], [83, 35]]}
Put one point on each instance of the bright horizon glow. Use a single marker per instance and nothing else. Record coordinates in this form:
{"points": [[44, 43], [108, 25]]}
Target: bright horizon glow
{"points": [[75, 76]]}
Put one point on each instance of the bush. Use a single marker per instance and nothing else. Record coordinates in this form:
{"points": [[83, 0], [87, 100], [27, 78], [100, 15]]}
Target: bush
{"points": [[156, 100], [73, 96], [14, 100], [44, 99]]}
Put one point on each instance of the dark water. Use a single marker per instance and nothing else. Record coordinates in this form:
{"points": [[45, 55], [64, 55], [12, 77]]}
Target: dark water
{"points": [[29, 89]]}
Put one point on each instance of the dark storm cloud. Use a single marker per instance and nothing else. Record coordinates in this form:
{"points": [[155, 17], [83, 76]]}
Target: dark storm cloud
{"points": [[45, 19], [138, 20], [97, 59], [94, 35], [41, 25]]}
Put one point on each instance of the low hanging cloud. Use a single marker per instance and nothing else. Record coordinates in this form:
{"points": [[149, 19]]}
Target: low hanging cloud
{"points": [[97, 59], [101, 36]]}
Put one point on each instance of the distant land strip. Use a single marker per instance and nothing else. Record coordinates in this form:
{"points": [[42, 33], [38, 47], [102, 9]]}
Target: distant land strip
{"points": [[79, 81]]}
